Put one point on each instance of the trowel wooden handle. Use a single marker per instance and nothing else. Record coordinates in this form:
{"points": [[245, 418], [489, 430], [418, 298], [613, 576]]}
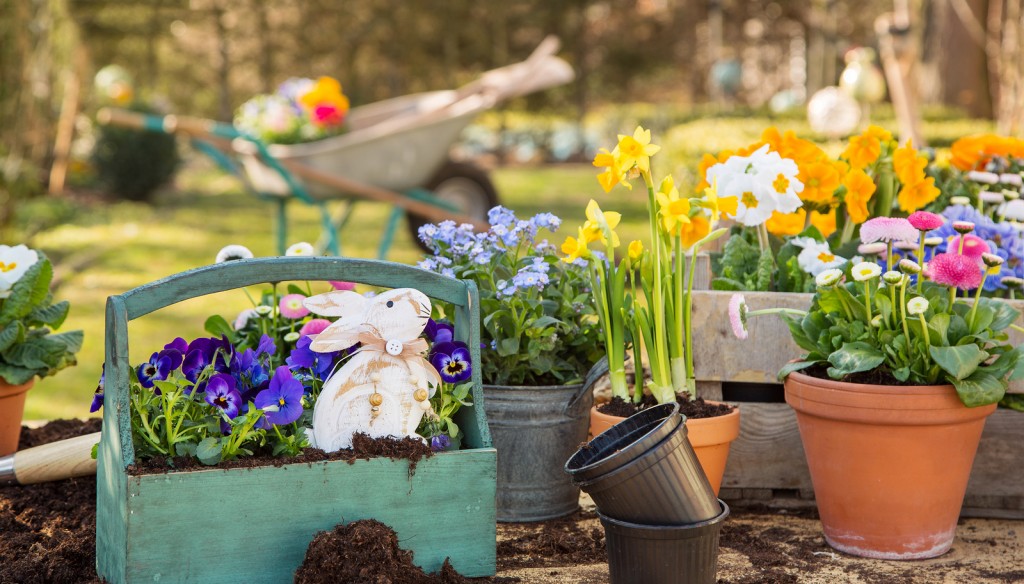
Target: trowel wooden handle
{"points": [[56, 461]]}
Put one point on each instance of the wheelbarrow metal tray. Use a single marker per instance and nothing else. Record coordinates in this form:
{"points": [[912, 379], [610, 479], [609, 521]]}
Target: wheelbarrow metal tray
{"points": [[254, 524], [396, 144]]}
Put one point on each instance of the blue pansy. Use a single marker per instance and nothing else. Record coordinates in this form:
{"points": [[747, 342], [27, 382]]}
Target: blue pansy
{"points": [[282, 401]]}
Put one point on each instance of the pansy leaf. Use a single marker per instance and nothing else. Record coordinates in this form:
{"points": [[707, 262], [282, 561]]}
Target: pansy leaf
{"points": [[853, 358], [217, 326], [960, 361], [508, 347], [980, 388], [794, 366], [209, 451]]}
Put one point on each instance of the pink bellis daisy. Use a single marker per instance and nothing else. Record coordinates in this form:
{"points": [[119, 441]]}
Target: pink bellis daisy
{"points": [[338, 285], [950, 269], [738, 315], [887, 229], [974, 246], [314, 327], [925, 221], [291, 306]]}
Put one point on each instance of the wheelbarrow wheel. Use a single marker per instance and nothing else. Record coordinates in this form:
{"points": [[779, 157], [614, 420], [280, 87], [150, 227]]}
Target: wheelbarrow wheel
{"points": [[464, 185]]}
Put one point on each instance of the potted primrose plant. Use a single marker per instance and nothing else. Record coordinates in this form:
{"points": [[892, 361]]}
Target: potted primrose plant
{"points": [[892, 395], [28, 346], [538, 341], [644, 301]]}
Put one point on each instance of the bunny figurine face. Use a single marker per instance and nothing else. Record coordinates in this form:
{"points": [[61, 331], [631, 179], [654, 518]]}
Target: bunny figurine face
{"points": [[376, 391]]}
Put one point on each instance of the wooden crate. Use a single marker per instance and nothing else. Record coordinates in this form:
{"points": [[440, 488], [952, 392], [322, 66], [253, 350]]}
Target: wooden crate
{"points": [[253, 525], [766, 463]]}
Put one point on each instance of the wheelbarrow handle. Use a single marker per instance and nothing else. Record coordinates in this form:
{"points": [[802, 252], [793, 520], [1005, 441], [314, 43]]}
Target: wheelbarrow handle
{"points": [[198, 127], [50, 462]]}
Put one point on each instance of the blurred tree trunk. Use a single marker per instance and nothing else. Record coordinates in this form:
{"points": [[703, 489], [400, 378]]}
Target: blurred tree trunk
{"points": [[266, 49], [224, 64], [963, 68]]}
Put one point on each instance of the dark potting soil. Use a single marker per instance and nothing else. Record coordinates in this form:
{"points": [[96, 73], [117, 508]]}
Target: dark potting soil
{"points": [[692, 409], [363, 448], [366, 552], [560, 541], [873, 377]]}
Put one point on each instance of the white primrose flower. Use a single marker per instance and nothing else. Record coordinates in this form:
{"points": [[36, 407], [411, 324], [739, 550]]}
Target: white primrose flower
{"points": [[14, 262], [301, 249], [817, 257], [865, 271], [917, 305], [762, 183]]}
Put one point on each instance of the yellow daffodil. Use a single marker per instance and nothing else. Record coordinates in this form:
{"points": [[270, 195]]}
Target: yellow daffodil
{"points": [[575, 248], [636, 150], [599, 224], [613, 173], [783, 224], [671, 209], [859, 188], [636, 250]]}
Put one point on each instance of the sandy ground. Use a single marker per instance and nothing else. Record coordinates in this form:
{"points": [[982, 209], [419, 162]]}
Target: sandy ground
{"points": [[791, 549]]}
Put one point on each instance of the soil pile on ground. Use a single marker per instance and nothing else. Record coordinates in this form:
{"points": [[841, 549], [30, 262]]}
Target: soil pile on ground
{"points": [[363, 448], [48, 531], [365, 552], [561, 540]]}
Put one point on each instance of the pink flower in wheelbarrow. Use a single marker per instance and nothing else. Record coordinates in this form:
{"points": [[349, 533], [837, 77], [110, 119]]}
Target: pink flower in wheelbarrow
{"points": [[282, 401], [326, 104], [291, 306]]}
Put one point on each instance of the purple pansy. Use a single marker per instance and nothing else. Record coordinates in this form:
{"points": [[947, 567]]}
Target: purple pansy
{"points": [[439, 332], [284, 393], [452, 361], [266, 346], [97, 397], [302, 358], [221, 392], [159, 366], [248, 372], [440, 442]]}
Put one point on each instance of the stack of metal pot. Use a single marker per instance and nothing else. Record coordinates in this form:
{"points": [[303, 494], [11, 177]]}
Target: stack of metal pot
{"points": [[661, 517]]}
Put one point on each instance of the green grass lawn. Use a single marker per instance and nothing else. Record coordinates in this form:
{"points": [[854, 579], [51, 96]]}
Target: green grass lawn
{"points": [[100, 249]]}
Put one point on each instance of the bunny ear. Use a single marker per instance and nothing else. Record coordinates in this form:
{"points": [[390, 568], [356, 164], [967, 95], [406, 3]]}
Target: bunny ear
{"points": [[343, 303], [341, 335]]}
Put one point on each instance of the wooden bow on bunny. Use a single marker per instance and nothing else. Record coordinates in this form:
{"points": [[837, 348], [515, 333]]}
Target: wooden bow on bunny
{"points": [[371, 340]]}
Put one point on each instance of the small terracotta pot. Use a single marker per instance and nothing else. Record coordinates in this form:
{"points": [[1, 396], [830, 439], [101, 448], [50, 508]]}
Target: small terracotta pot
{"points": [[889, 464], [12, 407], [710, 438]]}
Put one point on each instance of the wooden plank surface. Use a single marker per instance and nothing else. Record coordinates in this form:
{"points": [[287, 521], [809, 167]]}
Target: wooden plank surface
{"points": [[768, 453], [208, 519]]}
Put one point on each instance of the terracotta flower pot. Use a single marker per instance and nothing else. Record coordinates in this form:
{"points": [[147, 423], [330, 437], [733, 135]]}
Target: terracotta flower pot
{"points": [[889, 464], [12, 407], [710, 438]]}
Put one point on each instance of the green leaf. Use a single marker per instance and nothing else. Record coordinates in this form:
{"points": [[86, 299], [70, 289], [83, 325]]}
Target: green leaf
{"points": [[217, 326], [28, 292], [983, 318], [937, 327], [508, 347], [1014, 401], [960, 361], [728, 284], [209, 451], [185, 449], [11, 334], [37, 353], [543, 322], [797, 332], [979, 389], [1005, 315], [794, 366], [1006, 363], [71, 340], [52, 316], [958, 329], [16, 374], [293, 289], [765, 269], [853, 358]]}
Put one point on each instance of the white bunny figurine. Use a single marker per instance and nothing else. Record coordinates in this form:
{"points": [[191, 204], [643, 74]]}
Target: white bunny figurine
{"points": [[383, 389]]}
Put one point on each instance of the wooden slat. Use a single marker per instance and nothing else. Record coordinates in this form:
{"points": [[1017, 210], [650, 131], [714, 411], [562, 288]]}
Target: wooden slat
{"points": [[768, 453], [254, 525]]}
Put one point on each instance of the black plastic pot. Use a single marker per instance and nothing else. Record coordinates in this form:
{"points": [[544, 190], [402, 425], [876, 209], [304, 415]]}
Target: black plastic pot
{"points": [[664, 485], [663, 554], [624, 442]]}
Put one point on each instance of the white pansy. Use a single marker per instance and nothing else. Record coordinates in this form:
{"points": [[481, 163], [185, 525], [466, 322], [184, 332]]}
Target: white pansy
{"points": [[816, 257], [301, 248], [14, 262]]}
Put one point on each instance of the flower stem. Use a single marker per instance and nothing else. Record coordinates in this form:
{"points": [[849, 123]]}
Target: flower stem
{"points": [[867, 299], [691, 384], [888, 256], [903, 313], [973, 316], [924, 331], [920, 262]]}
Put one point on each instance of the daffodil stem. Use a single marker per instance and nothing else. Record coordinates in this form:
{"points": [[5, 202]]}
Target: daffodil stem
{"points": [[687, 325], [658, 301], [848, 228]]}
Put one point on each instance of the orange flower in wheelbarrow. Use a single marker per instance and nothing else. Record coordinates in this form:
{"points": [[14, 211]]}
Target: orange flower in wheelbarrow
{"points": [[326, 104]]}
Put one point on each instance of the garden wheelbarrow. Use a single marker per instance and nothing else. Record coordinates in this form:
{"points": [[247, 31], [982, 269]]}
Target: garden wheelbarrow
{"points": [[396, 152]]}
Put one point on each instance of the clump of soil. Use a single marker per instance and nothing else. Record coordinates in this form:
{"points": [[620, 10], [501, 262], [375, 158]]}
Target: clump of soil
{"points": [[366, 552], [363, 447], [563, 540], [692, 409], [48, 531]]}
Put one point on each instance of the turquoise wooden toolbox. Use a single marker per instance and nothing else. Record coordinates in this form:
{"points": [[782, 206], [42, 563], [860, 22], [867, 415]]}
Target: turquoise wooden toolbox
{"points": [[253, 525]]}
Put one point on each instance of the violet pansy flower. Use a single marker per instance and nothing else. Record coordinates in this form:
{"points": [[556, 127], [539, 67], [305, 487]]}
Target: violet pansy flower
{"points": [[284, 394], [452, 361], [221, 392]]}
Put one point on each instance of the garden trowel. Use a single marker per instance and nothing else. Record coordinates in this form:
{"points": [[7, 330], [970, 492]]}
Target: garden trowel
{"points": [[50, 462]]}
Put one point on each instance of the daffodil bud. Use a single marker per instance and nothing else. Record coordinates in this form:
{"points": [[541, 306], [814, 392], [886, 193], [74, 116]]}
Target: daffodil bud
{"points": [[909, 267], [917, 305]]}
